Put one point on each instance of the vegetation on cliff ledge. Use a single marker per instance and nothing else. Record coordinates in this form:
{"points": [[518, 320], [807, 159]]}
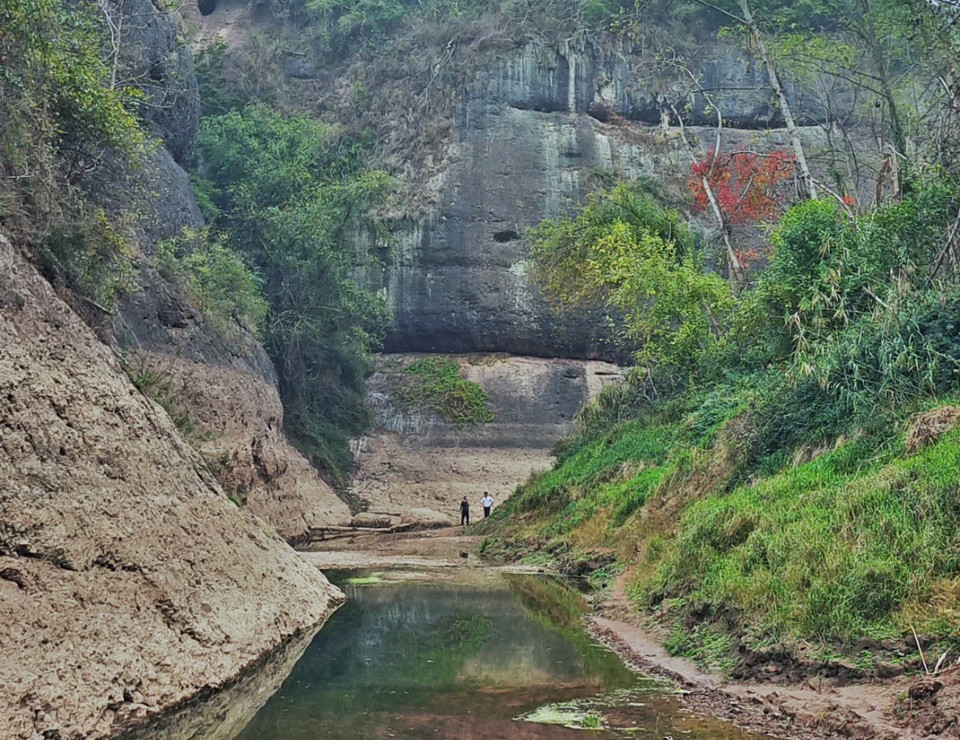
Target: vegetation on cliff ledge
{"points": [[435, 383]]}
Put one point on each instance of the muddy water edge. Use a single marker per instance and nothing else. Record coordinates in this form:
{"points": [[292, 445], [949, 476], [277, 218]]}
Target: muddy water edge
{"points": [[469, 653]]}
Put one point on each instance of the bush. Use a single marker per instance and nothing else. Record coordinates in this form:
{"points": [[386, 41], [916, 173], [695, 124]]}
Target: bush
{"points": [[288, 193], [627, 253], [218, 280], [89, 257], [435, 383]]}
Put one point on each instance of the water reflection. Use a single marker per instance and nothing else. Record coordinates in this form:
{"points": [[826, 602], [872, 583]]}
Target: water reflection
{"points": [[446, 661]]}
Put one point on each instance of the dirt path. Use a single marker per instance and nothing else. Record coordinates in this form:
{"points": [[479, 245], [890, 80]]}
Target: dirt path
{"points": [[437, 549], [824, 709], [814, 709]]}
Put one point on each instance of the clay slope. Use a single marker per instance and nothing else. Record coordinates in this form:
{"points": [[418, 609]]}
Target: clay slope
{"points": [[236, 419], [128, 581]]}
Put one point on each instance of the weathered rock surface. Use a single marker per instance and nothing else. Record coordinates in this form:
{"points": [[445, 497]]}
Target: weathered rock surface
{"points": [[537, 129], [128, 581], [153, 53], [222, 385], [416, 461]]}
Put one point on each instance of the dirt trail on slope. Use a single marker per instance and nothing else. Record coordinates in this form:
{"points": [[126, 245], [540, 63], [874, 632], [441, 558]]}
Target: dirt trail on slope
{"points": [[907, 708]]}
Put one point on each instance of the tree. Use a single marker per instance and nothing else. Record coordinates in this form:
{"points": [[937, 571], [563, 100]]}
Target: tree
{"points": [[807, 186], [287, 190], [747, 185], [624, 251]]}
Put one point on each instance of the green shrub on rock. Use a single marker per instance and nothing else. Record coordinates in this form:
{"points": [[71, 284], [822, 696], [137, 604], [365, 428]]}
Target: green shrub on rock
{"points": [[435, 383]]}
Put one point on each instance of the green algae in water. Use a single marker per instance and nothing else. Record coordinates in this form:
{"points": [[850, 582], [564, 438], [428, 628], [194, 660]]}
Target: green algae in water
{"points": [[371, 580], [418, 662], [566, 715]]}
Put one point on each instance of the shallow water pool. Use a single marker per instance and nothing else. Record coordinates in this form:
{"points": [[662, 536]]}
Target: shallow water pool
{"points": [[506, 658]]}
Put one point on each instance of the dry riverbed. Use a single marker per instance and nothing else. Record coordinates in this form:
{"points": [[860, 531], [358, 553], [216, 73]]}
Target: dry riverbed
{"points": [[906, 707]]}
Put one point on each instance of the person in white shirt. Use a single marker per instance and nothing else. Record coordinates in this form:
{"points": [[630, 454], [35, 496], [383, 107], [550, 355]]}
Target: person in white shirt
{"points": [[486, 502]]}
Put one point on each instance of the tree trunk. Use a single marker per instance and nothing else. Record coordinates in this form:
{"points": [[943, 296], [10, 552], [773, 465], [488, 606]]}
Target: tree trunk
{"points": [[807, 186]]}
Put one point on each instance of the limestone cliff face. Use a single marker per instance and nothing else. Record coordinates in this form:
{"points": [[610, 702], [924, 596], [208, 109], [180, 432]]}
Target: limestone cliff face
{"points": [[535, 129], [128, 581], [412, 465]]}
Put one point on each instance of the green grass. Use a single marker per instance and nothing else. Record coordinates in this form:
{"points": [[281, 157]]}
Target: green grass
{"points": [[435, 383], [594, 468], [833, 550]]}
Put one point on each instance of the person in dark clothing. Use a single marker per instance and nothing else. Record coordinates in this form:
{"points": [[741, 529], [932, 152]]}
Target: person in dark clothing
{"points": [[465, 512]]}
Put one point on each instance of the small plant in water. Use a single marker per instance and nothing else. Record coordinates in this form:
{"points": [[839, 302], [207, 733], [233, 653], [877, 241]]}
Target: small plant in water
{"points": [[591, 722]]}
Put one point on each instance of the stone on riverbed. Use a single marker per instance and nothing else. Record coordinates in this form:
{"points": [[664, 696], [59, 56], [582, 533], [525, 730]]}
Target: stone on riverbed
{"points": [[426, 518], [371, 520]]}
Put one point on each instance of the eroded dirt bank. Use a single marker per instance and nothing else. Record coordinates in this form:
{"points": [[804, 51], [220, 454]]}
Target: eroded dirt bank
{"points": [[129, 583]]}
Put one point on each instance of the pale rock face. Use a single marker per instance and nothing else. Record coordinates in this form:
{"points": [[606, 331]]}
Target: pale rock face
{"points": [[418, 467], [128, 581], [226, 386], [537, 129]]}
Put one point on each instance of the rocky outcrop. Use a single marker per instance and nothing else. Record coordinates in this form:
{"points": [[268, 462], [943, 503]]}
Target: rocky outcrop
{"points": [[154, 56], [128, 581], [537, 129], [223, 387], [218, 380], [415, 467]]}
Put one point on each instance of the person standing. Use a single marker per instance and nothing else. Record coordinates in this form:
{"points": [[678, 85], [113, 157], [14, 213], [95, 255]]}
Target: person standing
{"points": [[487, 503], [465, 512]]}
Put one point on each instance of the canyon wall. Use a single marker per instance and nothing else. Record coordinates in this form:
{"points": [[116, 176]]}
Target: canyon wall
{"points": [[128, 581], [414, 466]]}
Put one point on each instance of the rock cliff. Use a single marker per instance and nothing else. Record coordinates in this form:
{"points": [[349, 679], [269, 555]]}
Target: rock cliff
{"points": [[494, 128], [128, 581], [225, 389], [534, 130], [415, 466], [221, 383]]}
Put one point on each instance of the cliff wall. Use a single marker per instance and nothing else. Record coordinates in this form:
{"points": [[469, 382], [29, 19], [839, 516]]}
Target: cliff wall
{"points": [[415, 465], [492, 128], [128, 581]]}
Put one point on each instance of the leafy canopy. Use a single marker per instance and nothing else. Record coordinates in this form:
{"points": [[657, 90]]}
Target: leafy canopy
{"points": [[288, 191], [626, 252]]}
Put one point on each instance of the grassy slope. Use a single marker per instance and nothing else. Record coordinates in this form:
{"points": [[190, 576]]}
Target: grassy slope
{"points": [[851, 539]]}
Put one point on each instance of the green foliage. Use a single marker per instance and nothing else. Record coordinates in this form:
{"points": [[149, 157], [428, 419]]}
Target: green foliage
{"points": [[588, 467], [831, 550], [89, 257], [218, 280], [218, 95], [435, 383], [62, 115], [53, 63], [289, 192], [626, 252], [704, 644]]}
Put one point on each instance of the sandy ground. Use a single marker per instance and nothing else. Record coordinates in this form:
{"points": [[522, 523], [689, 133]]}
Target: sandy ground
{"points": [[825, 709], [441, 549]]}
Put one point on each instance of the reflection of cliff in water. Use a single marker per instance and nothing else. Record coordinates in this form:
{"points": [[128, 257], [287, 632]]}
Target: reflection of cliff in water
{"points": [[224, 714], [397, 656], [423, 661]]}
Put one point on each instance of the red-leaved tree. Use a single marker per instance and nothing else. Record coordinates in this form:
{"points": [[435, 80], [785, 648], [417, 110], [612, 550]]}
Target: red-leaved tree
{"points": [[748, 187]]}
